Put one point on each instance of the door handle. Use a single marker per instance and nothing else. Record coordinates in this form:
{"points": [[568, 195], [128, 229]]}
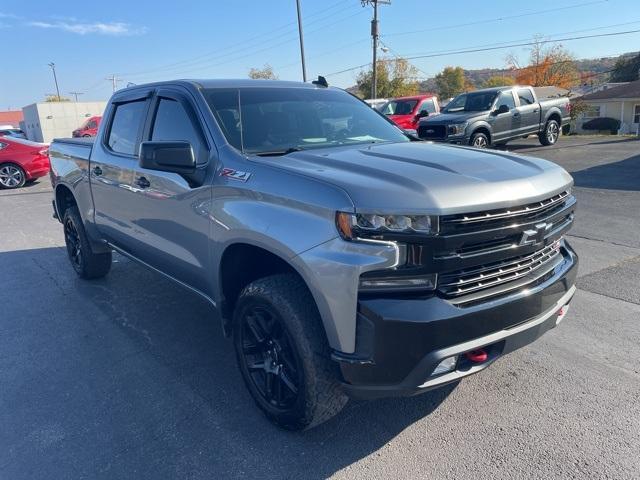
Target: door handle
{"points": [[97, 171], [516, 114], [536, 111], [142, 182]]}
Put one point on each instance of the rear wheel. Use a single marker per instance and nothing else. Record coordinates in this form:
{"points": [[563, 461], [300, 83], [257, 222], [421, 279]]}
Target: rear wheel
{"points": [[12, 176], [283, 354], [479, 140], [84, 261], [550, 134]]}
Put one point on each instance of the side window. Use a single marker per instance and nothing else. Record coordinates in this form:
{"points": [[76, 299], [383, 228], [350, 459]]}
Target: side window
{"points": [[92, 124], [428, 106], [525, 96], [127, 119], [2, 145], [173, 123], [506, 98]]}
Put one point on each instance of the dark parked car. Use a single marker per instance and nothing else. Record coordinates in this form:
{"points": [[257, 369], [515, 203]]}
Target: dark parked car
{"points": [[494, 116]]}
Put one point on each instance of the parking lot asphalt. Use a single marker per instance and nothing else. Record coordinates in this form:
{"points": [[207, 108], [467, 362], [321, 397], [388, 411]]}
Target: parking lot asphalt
{"points": [[129, 377]]}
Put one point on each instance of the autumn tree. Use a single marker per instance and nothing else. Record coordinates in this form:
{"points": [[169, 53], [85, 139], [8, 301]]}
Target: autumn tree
{"points": [[451, 82], [395, 78], [553, 65], [498, 81], [264, 73]]}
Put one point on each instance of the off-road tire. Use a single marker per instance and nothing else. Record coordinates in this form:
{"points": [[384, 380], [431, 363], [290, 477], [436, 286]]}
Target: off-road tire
{"points": [[319, 396], [85, 262]]}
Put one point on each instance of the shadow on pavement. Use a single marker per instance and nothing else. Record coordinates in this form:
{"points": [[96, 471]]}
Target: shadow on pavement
{"points": [[621, 175], [131, 373], [514, 147]]}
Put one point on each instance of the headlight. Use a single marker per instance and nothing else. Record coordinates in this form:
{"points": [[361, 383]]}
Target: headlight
{"points": [[357, 225], [456, 129]]}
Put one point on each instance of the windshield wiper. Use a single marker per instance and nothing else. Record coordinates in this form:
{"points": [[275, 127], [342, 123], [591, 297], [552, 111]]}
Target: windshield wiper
{"points": [[278, 153]]}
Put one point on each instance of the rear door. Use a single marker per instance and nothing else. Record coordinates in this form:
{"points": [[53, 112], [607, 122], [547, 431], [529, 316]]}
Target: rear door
{"points": [[528, 111], [169, 210], [113, 159]]}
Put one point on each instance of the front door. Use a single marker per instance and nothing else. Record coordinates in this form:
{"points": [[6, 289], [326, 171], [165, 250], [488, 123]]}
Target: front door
{"points": [[170, 212], [113, 159]]}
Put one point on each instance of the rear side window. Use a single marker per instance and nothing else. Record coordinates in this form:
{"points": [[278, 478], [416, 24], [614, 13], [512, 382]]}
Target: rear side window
{"points": [[525, 96], [127, 120], [173, 123], [3, 146]]}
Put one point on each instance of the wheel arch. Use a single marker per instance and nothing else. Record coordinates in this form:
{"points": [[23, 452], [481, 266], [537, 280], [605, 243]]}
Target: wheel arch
{"points": [[481, 129], [242, 262]]}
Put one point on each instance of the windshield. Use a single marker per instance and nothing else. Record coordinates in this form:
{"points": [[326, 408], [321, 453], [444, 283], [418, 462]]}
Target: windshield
{"points": [[399, 107], [471, 102], [279, 120]]}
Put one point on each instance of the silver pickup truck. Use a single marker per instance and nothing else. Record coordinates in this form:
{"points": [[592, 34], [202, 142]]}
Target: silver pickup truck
{"points": [[494, 116], [344, 258]]}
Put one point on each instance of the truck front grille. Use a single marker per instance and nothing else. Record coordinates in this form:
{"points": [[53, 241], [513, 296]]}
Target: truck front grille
{"points": [[504, 216], [430, 132], [462, 282]]}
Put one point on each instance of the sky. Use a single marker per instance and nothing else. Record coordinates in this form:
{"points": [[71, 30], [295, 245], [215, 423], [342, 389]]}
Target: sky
{"points": [[142, 41]]}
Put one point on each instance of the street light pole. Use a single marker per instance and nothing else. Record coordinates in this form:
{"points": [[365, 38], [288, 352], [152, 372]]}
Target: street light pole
{"points": [[374, 36], [304, 68], [55, 78]]}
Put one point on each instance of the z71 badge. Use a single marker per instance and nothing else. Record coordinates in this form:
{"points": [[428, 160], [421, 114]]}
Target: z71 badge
{"points": [[235, 174]]}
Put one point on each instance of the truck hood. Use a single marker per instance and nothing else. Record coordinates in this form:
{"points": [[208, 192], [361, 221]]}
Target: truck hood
{"points": [[418, 177], [447, 118]]}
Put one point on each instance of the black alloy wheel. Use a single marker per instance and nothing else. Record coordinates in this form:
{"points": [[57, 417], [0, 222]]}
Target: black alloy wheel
{"points": [[269, 358]]}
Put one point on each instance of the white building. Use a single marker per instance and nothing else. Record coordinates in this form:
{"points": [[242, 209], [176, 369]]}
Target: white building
{"points": [[48, 120]]}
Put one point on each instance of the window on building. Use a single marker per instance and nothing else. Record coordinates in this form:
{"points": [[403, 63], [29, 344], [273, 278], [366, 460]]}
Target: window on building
{"points": [[592, 111], [636, 114]]}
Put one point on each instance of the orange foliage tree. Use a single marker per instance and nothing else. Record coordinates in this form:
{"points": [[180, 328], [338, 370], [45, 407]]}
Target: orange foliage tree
{"points": [[552, 65]]}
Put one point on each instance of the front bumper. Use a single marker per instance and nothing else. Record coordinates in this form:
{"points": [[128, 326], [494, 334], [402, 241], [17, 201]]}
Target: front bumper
{"points": [[400, 341]]}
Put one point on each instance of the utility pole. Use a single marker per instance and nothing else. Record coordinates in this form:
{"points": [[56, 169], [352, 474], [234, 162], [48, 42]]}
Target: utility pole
{"points": [[114, 81], [304, 68], [375, 33], [75, 94], [55, 78]]}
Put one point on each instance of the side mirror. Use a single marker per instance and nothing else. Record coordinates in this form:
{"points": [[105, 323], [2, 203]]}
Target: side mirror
{"points": [[172, 156], [502, 109], [422, 114]]}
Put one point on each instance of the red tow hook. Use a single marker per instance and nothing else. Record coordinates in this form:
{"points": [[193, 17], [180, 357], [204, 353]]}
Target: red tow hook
{"points": [[477, 356]]}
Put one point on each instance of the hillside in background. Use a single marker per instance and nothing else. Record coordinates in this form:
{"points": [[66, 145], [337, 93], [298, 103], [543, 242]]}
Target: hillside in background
{"points": [[595, 71]]}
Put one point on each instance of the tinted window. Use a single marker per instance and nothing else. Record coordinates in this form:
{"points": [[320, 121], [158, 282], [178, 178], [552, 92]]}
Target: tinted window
{"points": [[399, 107], [127, 120], [173, 123], [92, 124], [525, 96], [428, 106], [506, 98], [471, 102], [273, 120]]}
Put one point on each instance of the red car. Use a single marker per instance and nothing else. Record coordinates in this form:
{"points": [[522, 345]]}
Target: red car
{"points": [[21, 161], [88, 129], [406, 112]]}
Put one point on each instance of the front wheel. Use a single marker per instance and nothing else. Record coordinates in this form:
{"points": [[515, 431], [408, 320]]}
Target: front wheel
{"points": [[550, 134], [283, 354], [12, 176], [479, 140], [84, 261]]}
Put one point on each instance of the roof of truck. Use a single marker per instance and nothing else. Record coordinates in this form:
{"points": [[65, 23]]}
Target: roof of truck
{"points": [[232, 83]]}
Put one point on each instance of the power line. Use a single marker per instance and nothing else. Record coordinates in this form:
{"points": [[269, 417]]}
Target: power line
{"points": [[493, 20], [486, 49], [249, 43], [75, 94]]}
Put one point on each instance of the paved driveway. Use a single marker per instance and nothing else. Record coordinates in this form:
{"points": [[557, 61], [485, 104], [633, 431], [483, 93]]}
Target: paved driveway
{"points": [[128, 377]]}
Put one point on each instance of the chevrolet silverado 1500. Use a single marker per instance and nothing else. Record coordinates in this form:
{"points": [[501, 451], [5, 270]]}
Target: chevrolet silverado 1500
{"points": [[343, 257]]}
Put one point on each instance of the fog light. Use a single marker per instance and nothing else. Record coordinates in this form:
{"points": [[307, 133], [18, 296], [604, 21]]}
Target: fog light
{"points": [[446, 365]]}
